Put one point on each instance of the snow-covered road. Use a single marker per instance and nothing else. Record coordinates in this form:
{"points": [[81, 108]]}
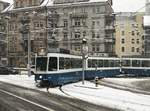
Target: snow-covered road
{"points": [[105, 96]]}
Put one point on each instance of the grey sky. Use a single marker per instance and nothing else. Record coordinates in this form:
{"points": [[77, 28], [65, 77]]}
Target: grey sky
{"points": [[121, 5]]}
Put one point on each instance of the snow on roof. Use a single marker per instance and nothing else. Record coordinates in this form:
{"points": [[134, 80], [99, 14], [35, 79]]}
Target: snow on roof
{"points": [[146, 20], [48, 3], [4, 1], [51, 2], [10, 7]]}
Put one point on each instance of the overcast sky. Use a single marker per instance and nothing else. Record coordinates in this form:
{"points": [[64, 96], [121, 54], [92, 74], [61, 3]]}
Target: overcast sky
{"points": [[121, 5]]}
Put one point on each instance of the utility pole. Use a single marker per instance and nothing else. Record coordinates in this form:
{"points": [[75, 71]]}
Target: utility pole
{"points": [[84, 57]]}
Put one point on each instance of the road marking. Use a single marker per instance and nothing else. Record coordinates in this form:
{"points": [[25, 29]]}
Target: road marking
{"points": [[11, 94]]}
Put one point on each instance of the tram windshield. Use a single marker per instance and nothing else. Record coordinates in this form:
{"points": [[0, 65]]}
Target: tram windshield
{"points": [[41, 63]]}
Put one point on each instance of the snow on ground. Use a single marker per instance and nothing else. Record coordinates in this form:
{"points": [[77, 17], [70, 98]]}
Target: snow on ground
{"points": [[109, 97], [27, 82], [101, 95], [124, 81]]}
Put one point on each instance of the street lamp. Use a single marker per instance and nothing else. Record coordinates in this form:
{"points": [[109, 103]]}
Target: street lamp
{"points": [[84, 57]]}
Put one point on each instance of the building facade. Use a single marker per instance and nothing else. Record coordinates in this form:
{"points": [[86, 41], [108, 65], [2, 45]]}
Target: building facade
{"points": [[147, 29], [3, 35], [129, 34], [61, 24]]}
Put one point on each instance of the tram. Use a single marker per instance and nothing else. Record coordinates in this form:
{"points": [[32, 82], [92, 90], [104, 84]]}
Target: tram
{"points": [[58, 69], [136, 66]]}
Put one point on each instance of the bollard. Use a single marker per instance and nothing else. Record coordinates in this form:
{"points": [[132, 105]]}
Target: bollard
{"points": [[96, 81]]}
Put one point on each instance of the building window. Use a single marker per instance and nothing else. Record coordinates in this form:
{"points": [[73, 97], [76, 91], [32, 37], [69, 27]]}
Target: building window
{"points": [[84, 22], [93, 48], [77, 23], [122, 41], [137, 41], [93, 23], [93, 34], [96, 48], [77, 48], [16, 4], [30, 2], [41, 34], [133, 33], [98, 35], [98, 23], [93, 9], [123, 49], [41, 24], [122, 33], [77, 35], [84, 33], [65, 23], [21, 4], [65, 35], [137, 50], [98, 10], [132, 41], [132, 50]]}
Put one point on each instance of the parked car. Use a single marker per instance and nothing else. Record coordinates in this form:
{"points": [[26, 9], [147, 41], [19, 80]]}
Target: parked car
{"points": [[13, 70], [7, 70]]}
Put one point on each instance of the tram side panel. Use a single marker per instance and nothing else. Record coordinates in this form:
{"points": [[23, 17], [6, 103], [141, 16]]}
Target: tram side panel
{"points": [[136, 66]]}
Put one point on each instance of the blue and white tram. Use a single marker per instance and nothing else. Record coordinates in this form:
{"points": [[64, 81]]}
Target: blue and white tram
{"points": [[58, 69], [136, 66]]}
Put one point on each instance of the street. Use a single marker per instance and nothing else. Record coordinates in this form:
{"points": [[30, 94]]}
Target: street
{"points": [[15, 98]]}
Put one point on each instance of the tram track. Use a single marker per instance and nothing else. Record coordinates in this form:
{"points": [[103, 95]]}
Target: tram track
{"points": [[42, 101], [26, 100]]}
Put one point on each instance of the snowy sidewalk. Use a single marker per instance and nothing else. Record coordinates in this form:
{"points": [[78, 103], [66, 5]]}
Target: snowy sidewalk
{"points": [[109, 97]]}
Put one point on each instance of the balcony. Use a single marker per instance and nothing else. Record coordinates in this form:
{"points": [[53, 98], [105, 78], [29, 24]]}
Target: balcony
{"points": [[109, 40], [78, 15], [111, 28]]}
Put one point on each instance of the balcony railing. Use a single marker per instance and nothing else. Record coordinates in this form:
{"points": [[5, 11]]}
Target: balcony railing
{"points": [[78, 15], [109, 40], [110, 28]]}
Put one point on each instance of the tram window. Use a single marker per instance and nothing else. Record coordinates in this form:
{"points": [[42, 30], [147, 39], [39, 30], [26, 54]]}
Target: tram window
{"points": [[94, 63], [78, 63], [52, 64], [145, 63], [106, 63], [111, 63], [117, 63], [67, 63], [90, 63], [126, 63], [100, 63], [41, 63], [72, 63], [135, 63], [61, 63]]}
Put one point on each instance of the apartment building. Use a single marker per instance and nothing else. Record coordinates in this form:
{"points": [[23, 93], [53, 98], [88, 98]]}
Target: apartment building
{"points": [[61, 24], [147, 29], [3, 37], [129, 34]]}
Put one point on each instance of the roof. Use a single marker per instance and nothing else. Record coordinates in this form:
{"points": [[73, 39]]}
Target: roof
{"points": [[51, 3], [147, 21], [4, 1]]}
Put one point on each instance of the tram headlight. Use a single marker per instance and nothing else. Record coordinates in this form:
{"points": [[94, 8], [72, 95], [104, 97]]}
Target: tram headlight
{"points": [[40, 77]]}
